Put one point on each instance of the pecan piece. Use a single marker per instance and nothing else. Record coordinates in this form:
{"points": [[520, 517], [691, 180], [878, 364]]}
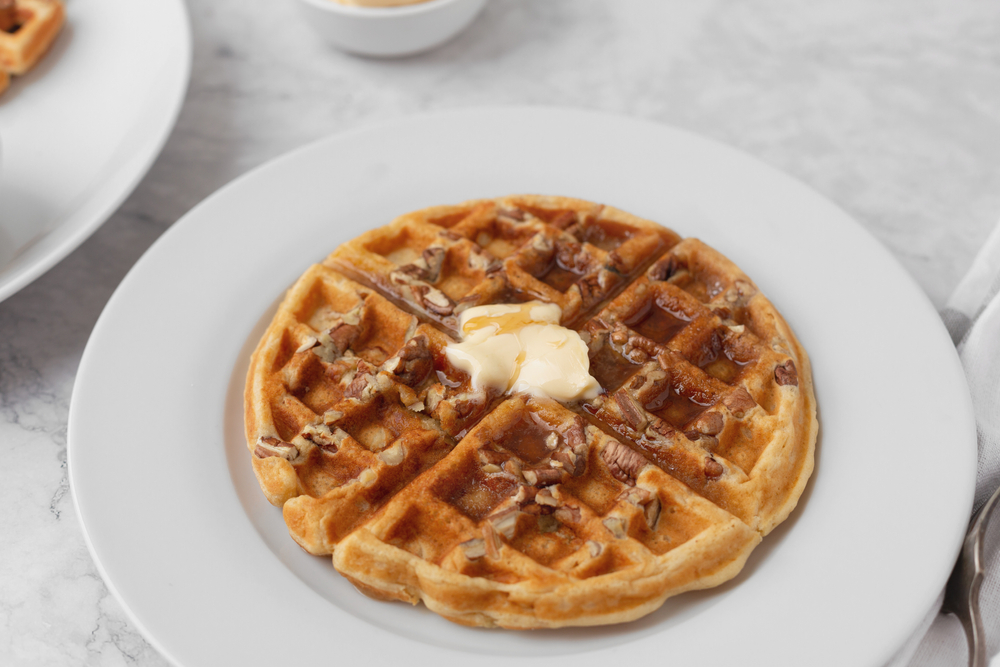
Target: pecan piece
{"points": [[433, 257], [623, 463], [505, 522], [414, 361], [474, 549], [713, 469], [514, 213], [786, 374], [709, 423], [268, 446], [433, 299], [739, 402], [633, 413], [542, 476], [563, 220], [343, 336], [364, 379], [665, 268]]}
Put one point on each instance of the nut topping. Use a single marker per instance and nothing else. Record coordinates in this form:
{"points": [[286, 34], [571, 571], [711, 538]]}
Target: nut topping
{"points": [[634, 415], [786, 374], [542, 476], [268, 446], [415, 361], [664, 269], [709, 423], [393, 455], [505, 522], [474, 549], [739, 402], [623, 463], [309, 343], [617, 526], [713, 469], [595, 548], [513, 213]]}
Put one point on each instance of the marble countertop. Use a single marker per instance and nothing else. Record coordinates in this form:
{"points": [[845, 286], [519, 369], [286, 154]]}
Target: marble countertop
{"points": [[890, 109]]}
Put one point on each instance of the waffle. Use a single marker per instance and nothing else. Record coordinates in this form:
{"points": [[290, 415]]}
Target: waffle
{"points": [[27, 29], [513, 510]]}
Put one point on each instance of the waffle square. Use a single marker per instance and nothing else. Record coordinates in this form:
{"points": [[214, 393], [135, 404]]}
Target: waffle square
{"points": [[518, 511], [27, 29]]}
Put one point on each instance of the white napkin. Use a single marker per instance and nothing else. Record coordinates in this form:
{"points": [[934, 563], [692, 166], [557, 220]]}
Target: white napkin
{"points": [[972, 316]]}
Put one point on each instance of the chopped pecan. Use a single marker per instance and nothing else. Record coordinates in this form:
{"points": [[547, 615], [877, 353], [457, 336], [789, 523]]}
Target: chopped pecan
{"points": [[434, 259], [709, 442], [616, 263], [590, 288], [616, 526], [631, 411], [546, 497], [575, 434], [310, 341], [433, 299], [363, 379], [415, 361], [268, 446], [573, 463], [652, 513], [491, 456], [661, 427], [567, 514], [739, 402], [713, 469], [343, 335], [786, 374], [324, 437], [505, 522], [665, 268], [563, 220], [542, 476], [514, 213], [394, 454], [474, 549], [709, 423], [623, 463], [525, 495]]}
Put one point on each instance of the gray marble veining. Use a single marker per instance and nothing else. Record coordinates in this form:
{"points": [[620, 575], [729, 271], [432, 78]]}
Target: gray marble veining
{"points": [[890, 109]]}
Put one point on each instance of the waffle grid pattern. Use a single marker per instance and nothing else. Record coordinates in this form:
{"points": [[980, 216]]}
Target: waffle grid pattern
{"points": [[516, 511]]}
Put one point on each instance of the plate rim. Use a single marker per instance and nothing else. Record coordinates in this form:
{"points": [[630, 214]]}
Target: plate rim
{"points": [[375, 127]]}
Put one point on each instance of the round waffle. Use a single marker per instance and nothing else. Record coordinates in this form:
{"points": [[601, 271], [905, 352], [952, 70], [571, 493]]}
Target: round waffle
{"points": [[517, 511]]}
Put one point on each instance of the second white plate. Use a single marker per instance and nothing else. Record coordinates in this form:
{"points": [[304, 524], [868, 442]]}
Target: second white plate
{"points": [[79, 131], [183, 536]]}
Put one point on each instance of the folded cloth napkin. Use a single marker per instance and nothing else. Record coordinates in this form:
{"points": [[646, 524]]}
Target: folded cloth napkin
{"points": [[972, 316]]}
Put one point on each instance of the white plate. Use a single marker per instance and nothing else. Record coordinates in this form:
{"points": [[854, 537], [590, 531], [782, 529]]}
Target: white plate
{"points": [[185, 539], [79, 131]]}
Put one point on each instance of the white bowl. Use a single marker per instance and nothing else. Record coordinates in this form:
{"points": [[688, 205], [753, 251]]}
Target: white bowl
{"points": [[390, 31]]}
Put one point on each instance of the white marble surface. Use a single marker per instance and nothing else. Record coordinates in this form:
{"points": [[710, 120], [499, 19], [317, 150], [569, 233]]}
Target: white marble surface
{"points": [[891, 109]]}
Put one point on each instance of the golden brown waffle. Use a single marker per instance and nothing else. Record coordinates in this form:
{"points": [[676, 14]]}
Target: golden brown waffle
{"points": [[27, 29], [516, 511]]}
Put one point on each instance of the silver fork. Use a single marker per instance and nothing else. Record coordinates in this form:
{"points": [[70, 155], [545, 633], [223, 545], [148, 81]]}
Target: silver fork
{"points": [[961, 595]]}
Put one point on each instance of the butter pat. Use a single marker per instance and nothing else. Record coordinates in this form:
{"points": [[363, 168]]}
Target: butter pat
{"points": [[522, 348]]}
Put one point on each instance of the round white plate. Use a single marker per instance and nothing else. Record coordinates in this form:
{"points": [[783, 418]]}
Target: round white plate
{"points": [[79, 131], [183, 536]]}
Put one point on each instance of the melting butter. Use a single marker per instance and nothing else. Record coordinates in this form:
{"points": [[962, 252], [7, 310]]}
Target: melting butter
{"points": [[522, 348]]}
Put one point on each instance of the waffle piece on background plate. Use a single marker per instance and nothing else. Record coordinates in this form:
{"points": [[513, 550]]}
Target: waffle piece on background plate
{"points": [[518, 511], [27, 30]]}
